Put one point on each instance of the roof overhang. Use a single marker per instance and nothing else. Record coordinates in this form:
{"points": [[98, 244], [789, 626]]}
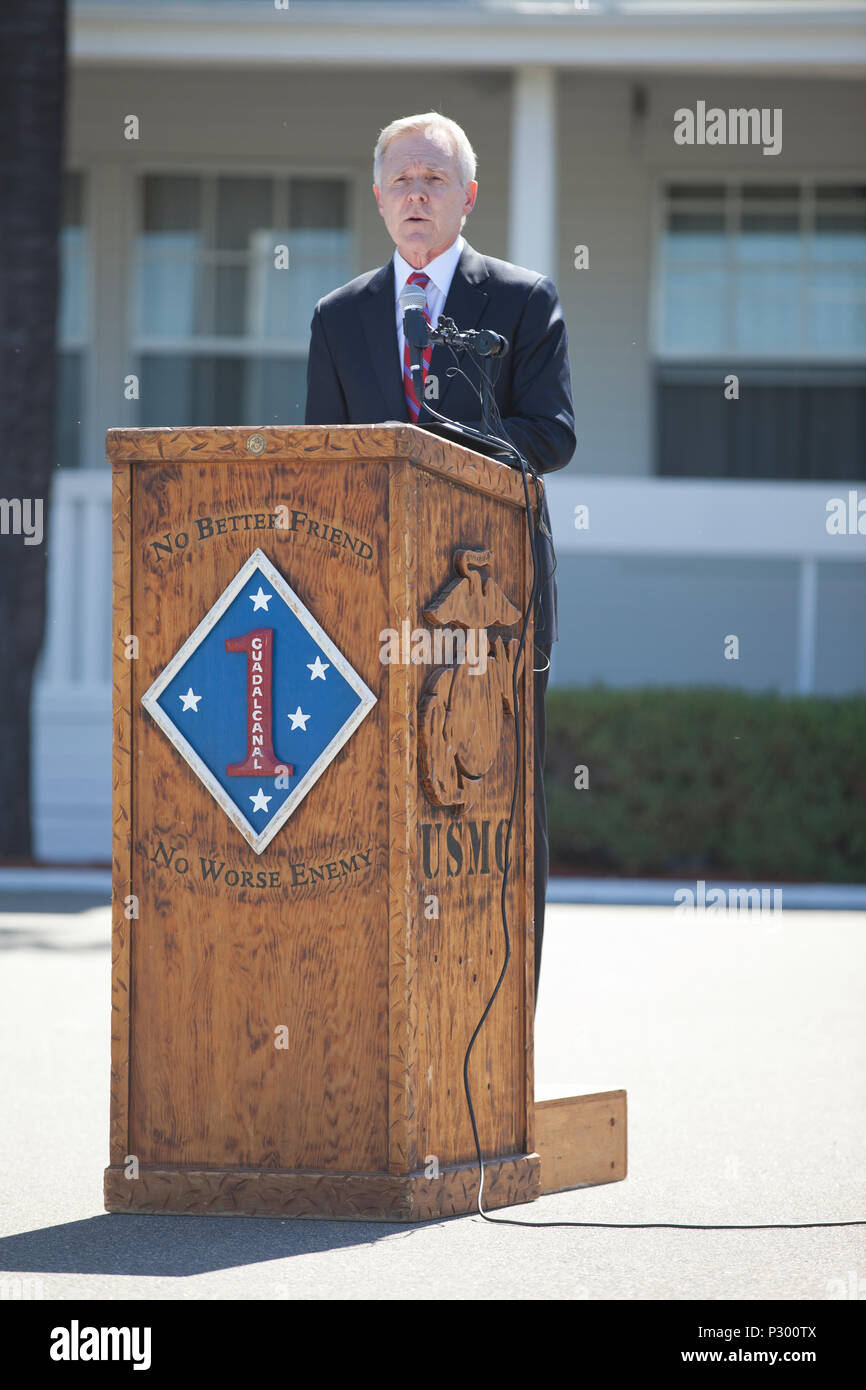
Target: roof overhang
{"points": [[802, 37]]}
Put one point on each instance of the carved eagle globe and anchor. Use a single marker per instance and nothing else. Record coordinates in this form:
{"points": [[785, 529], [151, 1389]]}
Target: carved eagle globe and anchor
{"points": [[461, 712]]}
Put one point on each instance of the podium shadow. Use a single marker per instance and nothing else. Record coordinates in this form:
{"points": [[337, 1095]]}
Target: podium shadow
{"points": [[177, 1246]]}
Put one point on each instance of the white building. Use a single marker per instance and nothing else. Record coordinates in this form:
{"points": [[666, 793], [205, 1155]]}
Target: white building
{"points": [[201, 129]]}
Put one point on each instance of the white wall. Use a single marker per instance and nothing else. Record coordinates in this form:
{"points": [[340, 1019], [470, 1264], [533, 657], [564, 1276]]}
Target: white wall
{"points": [[611, 163], [604, 205], [315, 119]]}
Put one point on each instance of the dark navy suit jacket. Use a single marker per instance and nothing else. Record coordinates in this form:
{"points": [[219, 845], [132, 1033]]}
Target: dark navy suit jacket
{"points": [[355, 377]]}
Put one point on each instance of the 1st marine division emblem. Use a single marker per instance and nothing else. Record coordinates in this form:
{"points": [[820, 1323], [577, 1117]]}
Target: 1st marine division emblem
{"points": [[258, 701]]}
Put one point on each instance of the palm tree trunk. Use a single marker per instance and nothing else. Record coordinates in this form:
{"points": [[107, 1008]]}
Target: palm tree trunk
{"points": [[32, 100]]}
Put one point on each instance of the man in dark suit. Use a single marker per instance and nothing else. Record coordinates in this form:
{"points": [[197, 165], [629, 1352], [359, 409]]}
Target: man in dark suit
{"points": [[359, 371]]}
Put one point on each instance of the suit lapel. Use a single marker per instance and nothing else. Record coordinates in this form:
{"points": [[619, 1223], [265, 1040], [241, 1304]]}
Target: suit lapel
{"points": [[379, 318], [467, 299]]}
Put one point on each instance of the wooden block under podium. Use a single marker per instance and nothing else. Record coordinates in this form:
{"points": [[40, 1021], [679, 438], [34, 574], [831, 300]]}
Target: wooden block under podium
{"points": [[581, 1140]]}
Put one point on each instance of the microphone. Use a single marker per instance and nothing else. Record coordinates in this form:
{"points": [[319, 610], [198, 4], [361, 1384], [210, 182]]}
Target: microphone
{"points": [[413, 302], [416, 331], [490, 344]]}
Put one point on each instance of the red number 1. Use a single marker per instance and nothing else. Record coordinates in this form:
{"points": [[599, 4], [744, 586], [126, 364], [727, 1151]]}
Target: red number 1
{"points": [[261, 760]]}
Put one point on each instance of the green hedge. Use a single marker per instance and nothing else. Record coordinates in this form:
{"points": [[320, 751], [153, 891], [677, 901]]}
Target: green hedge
{"points": [[707, 781]]}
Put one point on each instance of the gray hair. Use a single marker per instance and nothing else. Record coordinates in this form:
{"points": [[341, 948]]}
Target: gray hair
{"points": [[432, 123]]}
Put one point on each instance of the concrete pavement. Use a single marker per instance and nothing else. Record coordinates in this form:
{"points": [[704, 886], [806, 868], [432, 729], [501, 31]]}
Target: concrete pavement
{"points": [[739, 1039]]}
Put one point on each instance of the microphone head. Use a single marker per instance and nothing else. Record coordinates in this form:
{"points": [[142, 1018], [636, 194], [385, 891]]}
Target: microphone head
{"points": [[490, 344], [412, 297]]}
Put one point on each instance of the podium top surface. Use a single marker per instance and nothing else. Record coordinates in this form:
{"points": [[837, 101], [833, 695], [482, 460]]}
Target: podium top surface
{"points": [[319, 444]]}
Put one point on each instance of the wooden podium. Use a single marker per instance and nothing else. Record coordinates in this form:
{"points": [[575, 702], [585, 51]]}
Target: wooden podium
{"points": [[314, 633]]}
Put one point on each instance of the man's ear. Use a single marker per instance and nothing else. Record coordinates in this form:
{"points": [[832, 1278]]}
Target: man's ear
{"points": [[378, 198], [471, 195]]}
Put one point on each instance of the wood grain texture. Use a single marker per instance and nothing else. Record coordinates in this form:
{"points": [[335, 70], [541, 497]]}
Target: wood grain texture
{"points": [[379, 997], [121, 852], [322, 444], [403, 1003], [323, 1196], [465, 704], [528, 759], [218, 968], [582, 1140], [460, 951]]}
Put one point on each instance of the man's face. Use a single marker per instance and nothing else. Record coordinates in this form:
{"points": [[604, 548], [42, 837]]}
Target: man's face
{"points": [[421, 196]]}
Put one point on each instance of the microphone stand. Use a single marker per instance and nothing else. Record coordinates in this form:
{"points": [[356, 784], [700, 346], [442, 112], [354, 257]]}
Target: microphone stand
{"points": [[486, 391], [484, 343]]}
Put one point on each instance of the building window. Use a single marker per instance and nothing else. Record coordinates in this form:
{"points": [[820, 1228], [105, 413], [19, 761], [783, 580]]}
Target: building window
{"points": [[72, 323], [766, 282], [221, 326]]}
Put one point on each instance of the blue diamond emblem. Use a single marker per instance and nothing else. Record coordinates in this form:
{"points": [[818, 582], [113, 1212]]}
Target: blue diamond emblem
{"points": [[258, 701]]}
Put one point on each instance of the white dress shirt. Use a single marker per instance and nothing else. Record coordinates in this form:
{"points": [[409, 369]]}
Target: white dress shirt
{"points": [[441, 272]]}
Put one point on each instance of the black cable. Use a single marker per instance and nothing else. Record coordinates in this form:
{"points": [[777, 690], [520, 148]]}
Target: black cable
{"points": [[457, 370], [498, 421], [673, 1225], [521, 769], [505, 441], [519, 773]]}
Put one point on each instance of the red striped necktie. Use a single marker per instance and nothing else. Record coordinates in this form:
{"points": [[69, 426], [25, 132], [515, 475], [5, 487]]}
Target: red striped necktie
{"points": [[412, 403]]}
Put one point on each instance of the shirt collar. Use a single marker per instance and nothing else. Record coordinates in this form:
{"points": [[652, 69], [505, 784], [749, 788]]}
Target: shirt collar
{"points": [[440, 270]]}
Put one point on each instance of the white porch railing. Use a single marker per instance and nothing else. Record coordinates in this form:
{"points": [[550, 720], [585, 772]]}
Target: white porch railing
{"points": [[76, 659], [71, 749], [732, 520]]}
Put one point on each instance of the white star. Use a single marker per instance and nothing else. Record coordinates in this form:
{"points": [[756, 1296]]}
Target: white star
{"points": [[299, 720], [189, 701], [260, 600], [260, 801], [318, 668]]}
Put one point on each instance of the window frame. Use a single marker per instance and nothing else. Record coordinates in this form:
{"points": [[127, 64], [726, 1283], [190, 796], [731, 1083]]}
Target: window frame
{"points": [[83, 344], [210, 171], [806, 181]]}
